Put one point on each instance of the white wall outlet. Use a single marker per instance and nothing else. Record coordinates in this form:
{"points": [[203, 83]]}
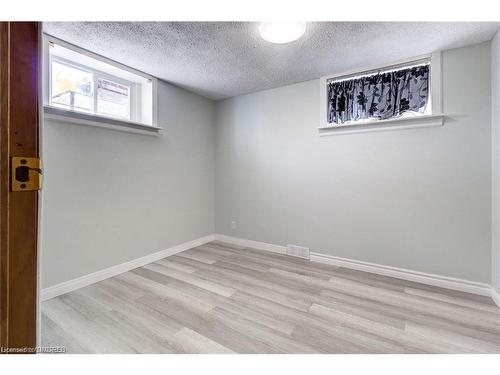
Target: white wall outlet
{"points": [[233, 224], [297, 251]]}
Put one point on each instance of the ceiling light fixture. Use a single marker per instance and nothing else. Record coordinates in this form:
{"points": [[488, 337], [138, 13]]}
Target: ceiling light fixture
{"points": [[282, 32]]}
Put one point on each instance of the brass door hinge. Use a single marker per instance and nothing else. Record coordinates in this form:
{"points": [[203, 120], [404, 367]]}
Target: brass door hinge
{"points": [[26, 174]]}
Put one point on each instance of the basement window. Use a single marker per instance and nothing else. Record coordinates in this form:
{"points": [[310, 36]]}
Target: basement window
{"points": [[397, 95], [85, 88]]}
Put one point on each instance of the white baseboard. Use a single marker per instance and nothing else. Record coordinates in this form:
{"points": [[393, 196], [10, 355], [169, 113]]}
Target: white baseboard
{"points": [[400, 273], [406, 274], [80, 282], [495, 296], [249, 243]]}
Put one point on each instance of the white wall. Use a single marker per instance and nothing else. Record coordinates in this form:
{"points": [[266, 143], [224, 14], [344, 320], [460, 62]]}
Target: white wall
{"points": [[111, 196], [495, 130], [417, 199]]}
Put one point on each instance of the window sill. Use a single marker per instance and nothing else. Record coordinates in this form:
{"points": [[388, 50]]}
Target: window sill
{"points": [[384, 125], [80, 118]]}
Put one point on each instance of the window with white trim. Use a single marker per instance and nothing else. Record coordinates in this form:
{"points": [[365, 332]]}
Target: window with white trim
{"points": [[382, 95], [81, 82], [379, 95]]}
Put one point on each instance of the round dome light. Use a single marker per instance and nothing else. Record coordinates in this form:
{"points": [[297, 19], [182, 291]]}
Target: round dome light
{"points": [[282, 32]]}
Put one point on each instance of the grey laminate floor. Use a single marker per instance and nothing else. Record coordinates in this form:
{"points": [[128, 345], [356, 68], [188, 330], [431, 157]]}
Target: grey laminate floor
{"points": [[218, 298]]}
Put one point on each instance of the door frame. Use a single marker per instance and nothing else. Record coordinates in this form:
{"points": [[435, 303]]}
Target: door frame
{"points": [[20, 125]]}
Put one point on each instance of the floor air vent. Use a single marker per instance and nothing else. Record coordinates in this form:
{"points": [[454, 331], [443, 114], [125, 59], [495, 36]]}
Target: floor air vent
{"points": [[297, 251]]}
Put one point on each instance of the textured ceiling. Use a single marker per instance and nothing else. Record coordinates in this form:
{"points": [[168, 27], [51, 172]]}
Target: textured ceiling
{"points": [[223, 59]]}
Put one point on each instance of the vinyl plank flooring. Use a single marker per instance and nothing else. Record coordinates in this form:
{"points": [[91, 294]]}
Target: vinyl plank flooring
{"points": [[252, 285], [176, 266], [416, 303], [280, 343], [193, 342], [385, 331], [350, 338], [54, 335], [198, 256], [369, 278], [258, 288], [208, 326], [268, 320], [191, 279], [370, 308], [87, 332], [220, 298], [149, 280], [153, 322], [279, 260], [437, 296]]}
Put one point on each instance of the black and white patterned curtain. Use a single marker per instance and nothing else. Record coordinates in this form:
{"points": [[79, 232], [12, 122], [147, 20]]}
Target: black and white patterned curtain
{"points": [[381, 96]]}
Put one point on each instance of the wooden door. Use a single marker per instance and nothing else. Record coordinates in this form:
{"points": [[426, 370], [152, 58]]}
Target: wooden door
{"points": [[19, 136]]}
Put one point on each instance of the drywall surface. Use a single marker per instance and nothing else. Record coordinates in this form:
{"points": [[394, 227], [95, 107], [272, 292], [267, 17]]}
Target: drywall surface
{"points": [[111, 196], [495, 136], [414, 198]]}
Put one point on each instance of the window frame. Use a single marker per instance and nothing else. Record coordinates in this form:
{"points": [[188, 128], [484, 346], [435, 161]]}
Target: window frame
{"points": [[74, 65], [132, 97], [432, 117], [133, 124]]}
